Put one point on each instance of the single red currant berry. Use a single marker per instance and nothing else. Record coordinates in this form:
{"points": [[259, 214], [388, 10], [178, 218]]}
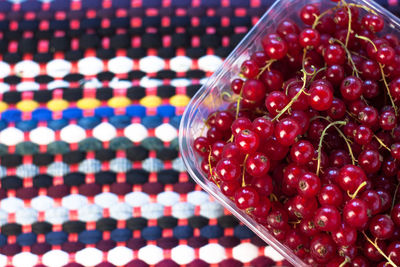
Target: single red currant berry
{"points": [[320, 97], [385, 55], [395, 214], [394, 251], [263, 184], [337, 109], [263, 127], [330, 194], [302, 152], [371, 252], [350, 178], [273, 80], [360, 261], [363, 135], [309, 185], [277, 219], [308, 228], [253, 90], [232, 151], [247, 141], [327, 218], [373, 201], [335, 74], [395, 150], [381, 226], [257, 164], [237, 85], [309, 13], [345, 235], [228, 188], [202, 146], [370, 160], [240, 124], [274, 149], [223, 121], [369, 116], [395, 89], [274, 46], [351, 88], [370, 89], [249, 69], [355, 213], [334, 55], [302, 119], [287, 26], [259, 57], [261, 210], [322, 248], [275, 102], [247, 197], [387, 120], [304, 207], [228, 170], [286, 131], [216, 150], [373, 22], [309, 38], [370, 70]]}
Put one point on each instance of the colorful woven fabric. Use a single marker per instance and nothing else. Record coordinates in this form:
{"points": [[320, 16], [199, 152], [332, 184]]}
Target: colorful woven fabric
{"points": [[91, 96]]}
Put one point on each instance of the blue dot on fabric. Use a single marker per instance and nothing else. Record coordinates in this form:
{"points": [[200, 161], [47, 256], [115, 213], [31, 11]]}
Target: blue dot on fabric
{"points": [[120, 121], [57, 124], [89, 122], [42, 114], [26, 239], [11, 115], [72, 113], [136, 111], [183, 232], [121, 235], [26, 126], [3, 240], [175, 121], [104, 112], [3, 125], [90, 236], [56, 238], [211, 231], [151, 122], [166, 111], [243, 232], [151, 233]]}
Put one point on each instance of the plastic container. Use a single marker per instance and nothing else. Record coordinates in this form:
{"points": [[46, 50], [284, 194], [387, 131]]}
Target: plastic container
{"points": [[210, 98]]}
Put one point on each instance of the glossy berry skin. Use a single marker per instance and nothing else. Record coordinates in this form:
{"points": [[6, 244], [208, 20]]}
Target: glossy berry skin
{"points": [[327, 218], [351, 88], [373, 22], [253, 90], [395, 89], [223, 120], [381, 226], [263, 184], [320, 97], [307, 227], [202, 146], [257, 164], [229, 188], [247, 141], [330, 194], [233, 152], [350, 177], [277, 219], [395, 151], [286, 131], [344, 235], [274, 150], [309, 38], [274, 46], [302, 152], [395, 214], [335, 74], [368, 116], [304, 207], [275, 102], [363, 135], [387, 120], [286, 27], [249, 69], [373, 201], [394, 251], [355, 213], [337, 109], [370, 89], [322, 248], [228, 170], [370, 70], [240, 124], [263, 127], [308, 13], [372, 253], [237, 85], [370, 160], [334, 55], [309, 185], [247, 197], [272, 79]]}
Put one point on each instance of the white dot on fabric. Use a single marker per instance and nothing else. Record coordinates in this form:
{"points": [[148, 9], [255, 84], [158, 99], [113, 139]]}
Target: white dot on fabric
{"points": [[104, 132], [180, 63], [57, 215], [3, 217], [90, 213], [151, 64], [136, 132], [137, 199], [74, 201], [42, 203], [58, 68], [106, 199], [270, 252], [92, 83], [120, 65], [116, 83], [180, 82], [4, 87], [57, 84], [72, 133], [151, 254], [27, 86], [90, 66], [182, 210], [152, 211], [182, 254], [168, 198], [26, 216], [212, 253], [209, 63], [89, 256], [121, 211], [42, 135], [11, 204], [55, 258], [25, 259], [27, 69], [4, 69], [120, 256], [211, 210], [197, 197], [3, 260], [11, 136], [245, 252], [166, 132], [150, 82]]}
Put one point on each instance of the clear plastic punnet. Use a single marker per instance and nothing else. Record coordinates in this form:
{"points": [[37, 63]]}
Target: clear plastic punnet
{"points": [[212, 97]]}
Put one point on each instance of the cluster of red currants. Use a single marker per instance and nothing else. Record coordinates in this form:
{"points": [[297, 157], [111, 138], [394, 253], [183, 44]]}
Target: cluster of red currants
{"points": [[310, 145]]}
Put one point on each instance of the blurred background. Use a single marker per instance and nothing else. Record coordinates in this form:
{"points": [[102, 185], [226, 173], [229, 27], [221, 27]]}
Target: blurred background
{"points": [[91, 95]]}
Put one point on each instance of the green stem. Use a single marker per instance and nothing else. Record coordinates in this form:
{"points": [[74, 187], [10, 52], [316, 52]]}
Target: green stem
{"points": [[353, 196], [244, 170], [349, 58], [379, 250]]}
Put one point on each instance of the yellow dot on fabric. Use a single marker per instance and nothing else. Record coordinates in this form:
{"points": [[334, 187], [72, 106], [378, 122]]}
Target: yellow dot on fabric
{"points": [[3, 106], [88, 103], [27, 105], [150, 101], [57, 104], [119, 102], [179, 100]]}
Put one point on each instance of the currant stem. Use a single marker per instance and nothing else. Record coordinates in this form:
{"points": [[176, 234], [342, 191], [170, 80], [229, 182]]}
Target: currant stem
{"points": [[363, 7], [379, 250], [349, 23], [322, 138], [267, 66], [346, 260], [381, 142], [273, 197], [349, 58], [209, 161], [394, 196], [318, 18], [354, 195], [244, 170], [294, 98]]}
